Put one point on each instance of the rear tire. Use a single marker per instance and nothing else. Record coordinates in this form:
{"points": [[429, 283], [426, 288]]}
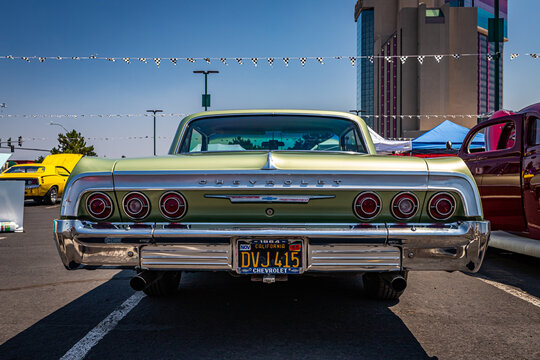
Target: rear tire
{"points": [[52, 196], [166, 285], [378, 288]]}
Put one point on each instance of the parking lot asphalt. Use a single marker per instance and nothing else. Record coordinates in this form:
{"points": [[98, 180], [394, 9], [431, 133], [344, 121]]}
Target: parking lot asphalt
{"points": [[48, 312]]}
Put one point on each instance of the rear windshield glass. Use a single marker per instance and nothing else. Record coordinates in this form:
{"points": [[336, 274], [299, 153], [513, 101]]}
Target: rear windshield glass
{"points": [[25, 169], [244, 133]]}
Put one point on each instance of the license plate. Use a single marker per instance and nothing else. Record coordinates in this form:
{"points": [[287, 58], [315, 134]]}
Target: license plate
{"points": [[270, 256]]}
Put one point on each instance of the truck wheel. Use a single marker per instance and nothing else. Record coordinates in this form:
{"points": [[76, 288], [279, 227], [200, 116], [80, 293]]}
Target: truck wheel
{"points": [[166, 285], [51, 196], [385, 286]]}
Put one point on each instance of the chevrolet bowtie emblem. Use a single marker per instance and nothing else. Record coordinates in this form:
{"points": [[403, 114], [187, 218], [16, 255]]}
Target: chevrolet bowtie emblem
{"points": [[291, 199]]}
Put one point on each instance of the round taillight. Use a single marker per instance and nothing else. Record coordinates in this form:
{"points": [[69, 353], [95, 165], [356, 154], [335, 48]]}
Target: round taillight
{"points": [[404, 205], [136, 205], [367, 205], [99, 206], [172, 205], [442, 206]]}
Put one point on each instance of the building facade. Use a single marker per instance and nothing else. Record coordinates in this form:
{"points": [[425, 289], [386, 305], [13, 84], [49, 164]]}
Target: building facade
{"points": [[460, 85]]}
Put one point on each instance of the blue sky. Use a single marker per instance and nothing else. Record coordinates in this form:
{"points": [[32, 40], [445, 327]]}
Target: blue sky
{"points": [[235, 28]]}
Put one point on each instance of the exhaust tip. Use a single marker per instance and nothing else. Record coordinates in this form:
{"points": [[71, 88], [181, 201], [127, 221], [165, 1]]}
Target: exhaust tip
{"points": [[399, 283], [137, 283]]}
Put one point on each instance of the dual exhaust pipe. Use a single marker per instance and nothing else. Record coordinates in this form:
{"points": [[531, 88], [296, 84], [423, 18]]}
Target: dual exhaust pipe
{"points": [[144, 279], [396, 281]]}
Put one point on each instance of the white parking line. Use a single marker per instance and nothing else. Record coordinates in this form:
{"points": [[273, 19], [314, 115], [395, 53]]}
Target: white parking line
{"points": [[83, 346], [512, 291], [3, 237], [51, 207]]}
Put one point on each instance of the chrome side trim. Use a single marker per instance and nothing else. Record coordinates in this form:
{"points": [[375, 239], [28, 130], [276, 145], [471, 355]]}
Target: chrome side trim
{"points": [[460, 183], [187, 256], [81, 184], [290, 199], [347, 257]]}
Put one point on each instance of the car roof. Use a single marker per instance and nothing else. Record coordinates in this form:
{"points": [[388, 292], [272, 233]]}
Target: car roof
{"points": [[534, 108]]}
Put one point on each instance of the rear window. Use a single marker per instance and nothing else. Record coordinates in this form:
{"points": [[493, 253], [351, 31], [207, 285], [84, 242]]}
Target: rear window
{"points": [[25, 169], [266, 133]]}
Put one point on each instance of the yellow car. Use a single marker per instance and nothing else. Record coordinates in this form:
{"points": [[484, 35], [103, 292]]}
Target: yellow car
{"points": [[44, 182]]}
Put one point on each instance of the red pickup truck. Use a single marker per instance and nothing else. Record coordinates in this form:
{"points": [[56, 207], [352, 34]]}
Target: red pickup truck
{"points": [[507, 169]]}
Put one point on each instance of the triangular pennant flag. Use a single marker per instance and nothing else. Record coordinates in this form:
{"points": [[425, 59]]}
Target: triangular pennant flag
{"points": [[42, 59], [303, 61], [320, 60], [10, 57], [157, 61], [75, 58], [143, 60], [111, 59], [371, 58], [191, 60], [25, 58], [207, 60], [353, 60], [270, 61], [438, 58], [286, 61], [513, 56], [92, 56], [489, 57], [421, 59], [456, 56], [254, 61], [126, 60], [388, 58], [58, 58], [174, 60], [338, 57], [239, 60], [534, 56], [403, 59], [224, 61]]}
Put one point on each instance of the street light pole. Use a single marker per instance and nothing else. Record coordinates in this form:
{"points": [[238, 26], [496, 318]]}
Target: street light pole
{"points": [[154, 111], [357, 112], [57, 124], [206, 97]]}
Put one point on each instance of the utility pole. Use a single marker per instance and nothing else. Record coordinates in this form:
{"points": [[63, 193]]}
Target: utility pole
{"points": [[154, 111], [206, 96]]}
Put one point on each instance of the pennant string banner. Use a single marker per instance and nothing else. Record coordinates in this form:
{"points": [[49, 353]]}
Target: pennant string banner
{"points": [[303, 60], [181, 115]]}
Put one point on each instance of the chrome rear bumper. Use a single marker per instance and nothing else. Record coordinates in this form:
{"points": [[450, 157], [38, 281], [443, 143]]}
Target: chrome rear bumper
{"points": [[328, 247]]}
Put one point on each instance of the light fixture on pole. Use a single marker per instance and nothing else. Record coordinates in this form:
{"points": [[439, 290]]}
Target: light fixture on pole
{"points": [[206, 96], [357, 112], [154, 111], [57, 124]]}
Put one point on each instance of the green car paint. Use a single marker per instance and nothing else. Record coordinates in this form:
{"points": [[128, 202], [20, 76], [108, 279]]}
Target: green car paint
{"points": [[335, 210]]}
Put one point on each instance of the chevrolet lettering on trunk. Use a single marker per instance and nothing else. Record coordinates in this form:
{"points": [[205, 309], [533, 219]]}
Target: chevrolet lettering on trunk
{"points": [[269, 195]]}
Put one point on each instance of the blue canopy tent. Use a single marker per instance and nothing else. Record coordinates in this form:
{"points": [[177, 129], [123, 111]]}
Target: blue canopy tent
{"points": [[436, 138]]}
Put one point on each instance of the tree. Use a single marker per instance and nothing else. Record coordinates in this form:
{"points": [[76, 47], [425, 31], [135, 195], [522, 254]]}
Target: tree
{"points": [[73, 143], [40, 159]]}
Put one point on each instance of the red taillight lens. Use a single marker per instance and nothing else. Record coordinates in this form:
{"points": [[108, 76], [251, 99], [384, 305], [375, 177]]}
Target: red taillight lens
{"points": [[136, 205], [172, 205], [99, 206], [404, 206], [367, 205], [442, 206]]}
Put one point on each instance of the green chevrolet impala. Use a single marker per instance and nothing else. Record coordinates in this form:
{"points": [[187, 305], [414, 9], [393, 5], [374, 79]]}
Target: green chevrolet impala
{"points": [[272, 194]]}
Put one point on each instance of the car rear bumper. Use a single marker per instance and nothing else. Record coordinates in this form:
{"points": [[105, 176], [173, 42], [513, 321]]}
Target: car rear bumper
{"points": [[327, 247]]}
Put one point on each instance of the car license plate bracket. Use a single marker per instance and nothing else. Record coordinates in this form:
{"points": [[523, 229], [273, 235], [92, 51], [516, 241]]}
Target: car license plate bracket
{"points": [[269, 256]]}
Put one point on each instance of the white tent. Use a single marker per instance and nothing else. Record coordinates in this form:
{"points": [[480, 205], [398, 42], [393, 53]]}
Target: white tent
{"points": [[383, 145]]}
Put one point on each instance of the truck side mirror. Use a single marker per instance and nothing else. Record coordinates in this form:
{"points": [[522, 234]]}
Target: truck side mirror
{"points": [[448, 145]]}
